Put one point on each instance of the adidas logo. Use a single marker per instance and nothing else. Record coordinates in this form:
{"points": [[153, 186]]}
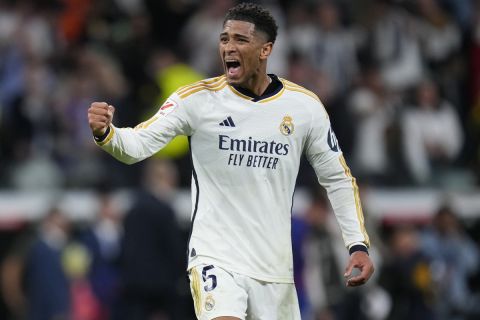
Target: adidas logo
{"points": [[227, 122]]}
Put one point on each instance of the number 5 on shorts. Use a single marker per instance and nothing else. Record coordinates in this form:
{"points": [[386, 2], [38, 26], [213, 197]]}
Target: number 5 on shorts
{"points": [[206, 277]]}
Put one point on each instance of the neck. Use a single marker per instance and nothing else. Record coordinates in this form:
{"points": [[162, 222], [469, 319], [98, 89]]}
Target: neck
{"points": [[258, 84]]}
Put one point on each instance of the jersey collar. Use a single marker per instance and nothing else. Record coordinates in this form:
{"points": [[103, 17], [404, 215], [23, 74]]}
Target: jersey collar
{"points": [[273, 89]]}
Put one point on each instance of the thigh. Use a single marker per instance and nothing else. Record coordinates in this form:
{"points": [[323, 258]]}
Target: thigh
{"points": [[216, 294], [268, 301]]}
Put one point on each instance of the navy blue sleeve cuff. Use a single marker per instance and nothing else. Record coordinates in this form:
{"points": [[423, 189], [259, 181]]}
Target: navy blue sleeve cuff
{"points": [[102, 137], [358, 247]]}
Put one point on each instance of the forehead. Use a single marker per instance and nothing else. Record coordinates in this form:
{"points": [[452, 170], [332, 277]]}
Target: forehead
{"points": [[239, 27]]}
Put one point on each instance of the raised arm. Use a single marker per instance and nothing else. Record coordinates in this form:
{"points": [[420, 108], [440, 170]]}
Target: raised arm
{"points": [[130, 145]]}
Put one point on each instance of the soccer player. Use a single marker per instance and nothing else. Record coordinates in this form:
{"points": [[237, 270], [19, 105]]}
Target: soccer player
{"points": [[247, 132]]}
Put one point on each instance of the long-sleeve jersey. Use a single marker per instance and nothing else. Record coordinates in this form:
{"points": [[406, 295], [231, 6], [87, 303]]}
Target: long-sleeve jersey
{"points": [[246, 154]]}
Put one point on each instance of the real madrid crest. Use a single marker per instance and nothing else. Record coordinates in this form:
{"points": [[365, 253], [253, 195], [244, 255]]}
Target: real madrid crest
{"points": [[209, 303], [287, 127]]}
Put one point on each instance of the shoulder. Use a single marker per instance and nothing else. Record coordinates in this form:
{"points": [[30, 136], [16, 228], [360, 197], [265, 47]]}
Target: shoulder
{"points": [[299, 90], [206, 85], [307, 98]]}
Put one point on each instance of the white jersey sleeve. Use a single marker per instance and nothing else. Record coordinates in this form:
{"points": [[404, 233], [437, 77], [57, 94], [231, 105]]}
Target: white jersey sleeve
{"points": [[325, 156], [130, 145]]}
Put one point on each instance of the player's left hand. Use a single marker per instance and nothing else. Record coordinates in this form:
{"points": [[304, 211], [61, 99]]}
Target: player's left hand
{"points": [[362, 262]]}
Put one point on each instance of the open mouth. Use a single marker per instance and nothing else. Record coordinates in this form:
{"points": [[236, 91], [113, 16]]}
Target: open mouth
{"points": [[233, 67]]}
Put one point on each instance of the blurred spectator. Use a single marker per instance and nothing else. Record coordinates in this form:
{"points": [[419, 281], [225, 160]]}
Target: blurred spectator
{"points": [[462, 11], [439, 36], [324, 59], [474, 114], [12, 282], [406, 276], [131, 7], [278, 60], [432, 135], [134, 50], [102, 240], [455, 257], [200, 36], [84, 304], [36, 279], [374, 112], [73, 19], [46, 285], [153, 261], [395, 46], [440, 41], [34, 170], [170, 74], [96, 77], [324, 259], [329, 47], [299, 232]]}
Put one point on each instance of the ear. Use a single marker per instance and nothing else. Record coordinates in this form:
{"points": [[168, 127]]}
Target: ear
{"points": [[266, 50]]}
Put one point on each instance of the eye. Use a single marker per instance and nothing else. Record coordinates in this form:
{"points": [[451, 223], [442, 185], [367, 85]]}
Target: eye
{"points": [[223, 39]]}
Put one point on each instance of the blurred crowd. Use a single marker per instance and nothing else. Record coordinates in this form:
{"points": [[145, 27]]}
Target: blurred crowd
{"points": [[399, 78], [123, 265]]}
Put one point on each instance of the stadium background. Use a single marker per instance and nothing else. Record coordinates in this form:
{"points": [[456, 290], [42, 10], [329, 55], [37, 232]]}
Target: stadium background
{"points": [[400, 80]]}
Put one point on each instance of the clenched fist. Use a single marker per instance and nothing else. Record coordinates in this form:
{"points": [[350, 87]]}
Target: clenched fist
{"points": [[100, 115]]}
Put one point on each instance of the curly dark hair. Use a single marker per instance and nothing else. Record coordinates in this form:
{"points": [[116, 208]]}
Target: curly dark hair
{"points": [[259, 16]]}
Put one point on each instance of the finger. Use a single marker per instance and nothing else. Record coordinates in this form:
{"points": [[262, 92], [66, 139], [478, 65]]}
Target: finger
{"points": [[99, 111], [103, 105], [362, 278], [98, 107], [356, 281], [97, 118], [111, 110], [348, 270]]}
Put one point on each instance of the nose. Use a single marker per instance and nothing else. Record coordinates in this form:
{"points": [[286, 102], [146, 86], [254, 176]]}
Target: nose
{"points": [[229, 47]]}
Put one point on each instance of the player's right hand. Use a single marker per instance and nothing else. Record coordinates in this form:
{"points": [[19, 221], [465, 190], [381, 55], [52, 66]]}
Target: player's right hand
{"points": [[100, 115]]}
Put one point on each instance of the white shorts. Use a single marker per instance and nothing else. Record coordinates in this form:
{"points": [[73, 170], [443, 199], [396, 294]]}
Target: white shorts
{"points": [[217, 292]]}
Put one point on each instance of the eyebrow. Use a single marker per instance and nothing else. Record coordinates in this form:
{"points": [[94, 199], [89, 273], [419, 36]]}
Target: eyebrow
{"points": [[235, 35]]}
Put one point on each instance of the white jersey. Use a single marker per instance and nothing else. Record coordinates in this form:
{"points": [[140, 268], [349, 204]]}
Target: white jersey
{"points": [[246, 155]]}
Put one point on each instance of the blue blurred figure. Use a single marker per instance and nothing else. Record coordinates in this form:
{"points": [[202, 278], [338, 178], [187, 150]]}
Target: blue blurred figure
{"points": [[103, 241], [47, 289], [455, 258], [153, 259]]}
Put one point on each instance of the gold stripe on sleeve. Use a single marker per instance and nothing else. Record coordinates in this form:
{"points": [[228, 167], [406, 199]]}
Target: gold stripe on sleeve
{"points": [[146, 124], [358, 205]]}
